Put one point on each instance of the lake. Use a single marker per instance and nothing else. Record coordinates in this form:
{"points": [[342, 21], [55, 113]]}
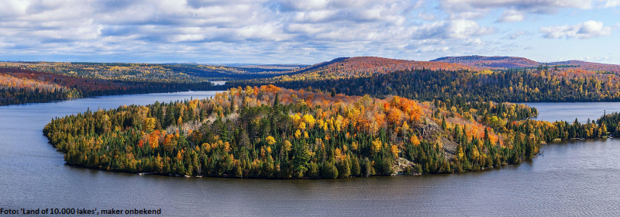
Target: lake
{"points": [[583, 111], [573, 178], [218, 83]]}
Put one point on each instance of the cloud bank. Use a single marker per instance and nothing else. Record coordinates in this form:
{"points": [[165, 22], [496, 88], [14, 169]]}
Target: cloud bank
{"points": [[264, 30]]}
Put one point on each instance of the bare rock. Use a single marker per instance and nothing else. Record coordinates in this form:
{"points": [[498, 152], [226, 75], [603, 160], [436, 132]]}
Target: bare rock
{"points": [[400, 165], [449, 148]]}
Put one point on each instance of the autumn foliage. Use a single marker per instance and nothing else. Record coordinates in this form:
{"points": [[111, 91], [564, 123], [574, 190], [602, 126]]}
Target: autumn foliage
{"points": [[19, 86], [272, 132]]}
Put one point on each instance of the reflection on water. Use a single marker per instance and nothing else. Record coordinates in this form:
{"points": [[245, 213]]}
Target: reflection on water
{"points": [[217, 83], [571, 178]]}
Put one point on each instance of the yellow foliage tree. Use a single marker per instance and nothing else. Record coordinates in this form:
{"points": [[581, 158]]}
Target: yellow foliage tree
{"points": [[414, 140], [148, 124], [309, 119], [270, 140], [394, 151], [287, 145], [297, 134], [376, 145]]}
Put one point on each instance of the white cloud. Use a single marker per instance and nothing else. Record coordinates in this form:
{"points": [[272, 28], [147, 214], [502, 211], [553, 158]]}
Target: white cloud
{"points": [[588, 29], [450, 29], [511, 16], [316, 16], [464, 29], [516, 10], [612, 3], [475, 42], [13, 8], [539, 6]]}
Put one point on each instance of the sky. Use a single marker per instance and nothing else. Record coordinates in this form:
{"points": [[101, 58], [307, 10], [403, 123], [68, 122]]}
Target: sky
{"points": [[306, 31]]}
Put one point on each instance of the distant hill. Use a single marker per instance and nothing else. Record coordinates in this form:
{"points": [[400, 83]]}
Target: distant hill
{"points": [[493, 62], [318, 66], [590, 66], [520, 62], [363, 67]]}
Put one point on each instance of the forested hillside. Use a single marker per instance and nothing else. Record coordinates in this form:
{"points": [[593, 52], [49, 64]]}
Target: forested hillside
{"points": [[361, 67], [502, 62], [516, 85], [25, 86], [144, 72], [483, 61]]}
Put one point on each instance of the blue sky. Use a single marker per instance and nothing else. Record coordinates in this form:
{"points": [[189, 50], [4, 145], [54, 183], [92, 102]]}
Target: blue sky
{"points": [[306, 32]]}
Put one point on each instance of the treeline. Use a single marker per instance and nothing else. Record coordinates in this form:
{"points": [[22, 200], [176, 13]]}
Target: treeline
{"points": [[144, 72], [106, 71], [224, 72], [269, 132], [502, 86]]}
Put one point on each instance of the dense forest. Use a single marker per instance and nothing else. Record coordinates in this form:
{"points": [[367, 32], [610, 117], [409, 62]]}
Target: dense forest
{"points": [[24, 86], [356, 67], [144, 72], [269, 132], [544, 84], [105, 71]]}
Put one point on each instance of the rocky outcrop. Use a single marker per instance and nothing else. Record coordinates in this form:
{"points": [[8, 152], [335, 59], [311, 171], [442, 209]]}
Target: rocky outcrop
{"points": [[429, 129], [401, 165], [449, 148]]}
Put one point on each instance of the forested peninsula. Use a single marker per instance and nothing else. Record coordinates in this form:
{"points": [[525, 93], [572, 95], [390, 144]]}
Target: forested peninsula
{"points": [[271, 132]]}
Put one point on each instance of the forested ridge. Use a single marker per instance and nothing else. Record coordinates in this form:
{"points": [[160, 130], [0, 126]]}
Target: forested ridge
{"points": [[145, 72], [499, 62], [544, 84], [269, 132], [356, 67]]}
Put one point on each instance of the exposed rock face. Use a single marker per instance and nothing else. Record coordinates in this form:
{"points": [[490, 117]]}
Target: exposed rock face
{"points": [[401, 164], [429, 129], [449, 148]]}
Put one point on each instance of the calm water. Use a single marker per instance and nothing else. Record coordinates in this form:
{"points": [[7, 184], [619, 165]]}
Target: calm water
{"points": [[569, 111], [217, 83], [571, 179]]}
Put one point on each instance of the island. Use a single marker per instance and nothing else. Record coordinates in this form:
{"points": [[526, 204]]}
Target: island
{"points": [[271, 132]]}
